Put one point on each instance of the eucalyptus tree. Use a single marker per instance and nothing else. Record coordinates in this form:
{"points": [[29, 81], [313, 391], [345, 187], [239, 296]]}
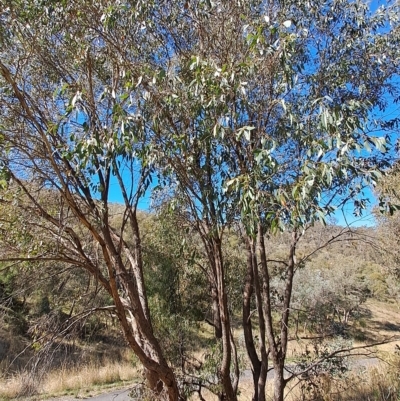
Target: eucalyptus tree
{"points": [[71, 140], [306, 138], [255, 115], [267, 120]]}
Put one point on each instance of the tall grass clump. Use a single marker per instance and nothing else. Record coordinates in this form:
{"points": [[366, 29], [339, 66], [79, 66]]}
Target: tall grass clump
{"points": [[376, 383], [69, 379]]}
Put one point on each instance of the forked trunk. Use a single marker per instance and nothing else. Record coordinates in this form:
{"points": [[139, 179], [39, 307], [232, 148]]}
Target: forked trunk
{"points": [[259, 367]]}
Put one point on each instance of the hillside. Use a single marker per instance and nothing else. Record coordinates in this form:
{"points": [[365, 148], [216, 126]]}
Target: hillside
{"points": [[55, 322]]}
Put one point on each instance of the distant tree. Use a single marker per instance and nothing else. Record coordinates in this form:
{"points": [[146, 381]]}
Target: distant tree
{"points": [[327, 299]]}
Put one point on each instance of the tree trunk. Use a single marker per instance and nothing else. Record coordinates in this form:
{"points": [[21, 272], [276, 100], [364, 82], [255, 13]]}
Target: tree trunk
{"points": [[216, 317], [158, 374], [137, 328], [247, 326], [259, 367], [277, 348], [279, 381], [154, 382], [229, 391], [280, 349]]}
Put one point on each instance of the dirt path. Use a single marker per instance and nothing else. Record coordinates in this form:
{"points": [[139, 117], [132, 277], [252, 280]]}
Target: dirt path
{"points": [[114, 395], [117, 395], [124, 394]]}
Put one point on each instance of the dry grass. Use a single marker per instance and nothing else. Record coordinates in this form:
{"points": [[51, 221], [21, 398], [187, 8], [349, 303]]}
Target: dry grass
{"points": [[99, 369], [88, 377], [384, 321], [77, 381], [378, 383]]}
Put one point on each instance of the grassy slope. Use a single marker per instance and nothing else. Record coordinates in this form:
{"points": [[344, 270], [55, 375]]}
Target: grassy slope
{"points": [[382, 320]]}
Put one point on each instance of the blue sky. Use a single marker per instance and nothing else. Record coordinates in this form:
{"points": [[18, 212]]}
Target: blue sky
{"points": [[345, 216], [342, 217]]}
